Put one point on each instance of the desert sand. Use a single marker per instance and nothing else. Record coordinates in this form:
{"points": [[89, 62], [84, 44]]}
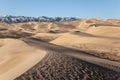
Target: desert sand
{"points": [[105, 47], [86, 49], [16, 57]]}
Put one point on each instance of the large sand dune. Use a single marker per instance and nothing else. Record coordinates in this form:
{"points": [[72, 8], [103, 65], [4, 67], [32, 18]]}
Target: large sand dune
{"points": [[16, 57], [108, 31], [101, 46]]}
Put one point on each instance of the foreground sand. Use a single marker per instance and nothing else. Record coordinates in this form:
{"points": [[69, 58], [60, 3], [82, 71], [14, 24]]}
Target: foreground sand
{"points": [[67, 64], [16, 57], [61, 67], [26, 62]]}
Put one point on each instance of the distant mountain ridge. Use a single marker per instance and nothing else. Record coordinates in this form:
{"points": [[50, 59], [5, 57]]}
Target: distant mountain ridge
{"points": [[18, 19]]}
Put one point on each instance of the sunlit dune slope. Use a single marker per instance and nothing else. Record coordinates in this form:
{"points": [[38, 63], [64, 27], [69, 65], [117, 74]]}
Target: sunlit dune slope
{"points": [[47, 36], [108, 31], [16, 57], [105, 47]]}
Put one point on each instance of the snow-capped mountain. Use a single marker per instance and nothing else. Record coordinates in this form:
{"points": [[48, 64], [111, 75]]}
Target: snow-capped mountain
{"points": [[17, 19]]}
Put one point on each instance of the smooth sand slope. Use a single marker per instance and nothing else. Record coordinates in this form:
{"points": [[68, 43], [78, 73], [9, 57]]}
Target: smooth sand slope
{"points": [[47, 36], [107, 31], [101, 46], [16, 57]]}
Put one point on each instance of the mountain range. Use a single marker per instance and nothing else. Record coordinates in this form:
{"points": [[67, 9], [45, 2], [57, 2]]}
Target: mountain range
{"points": [[18, 19]]}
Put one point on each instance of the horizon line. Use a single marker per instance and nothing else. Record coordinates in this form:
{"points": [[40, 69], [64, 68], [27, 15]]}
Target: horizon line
{"points": [[59, 16]]}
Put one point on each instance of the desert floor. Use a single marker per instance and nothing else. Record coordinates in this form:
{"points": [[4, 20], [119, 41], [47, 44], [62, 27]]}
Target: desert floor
{"points": [[87, 49]]}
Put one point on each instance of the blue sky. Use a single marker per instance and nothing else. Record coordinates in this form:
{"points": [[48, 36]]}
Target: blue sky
{"points": [[62, 8]]}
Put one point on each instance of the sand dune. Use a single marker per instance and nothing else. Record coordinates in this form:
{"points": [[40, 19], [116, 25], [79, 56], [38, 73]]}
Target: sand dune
{"points": [[16, 57], [108, 31], [47, 36], [104, 47]]}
